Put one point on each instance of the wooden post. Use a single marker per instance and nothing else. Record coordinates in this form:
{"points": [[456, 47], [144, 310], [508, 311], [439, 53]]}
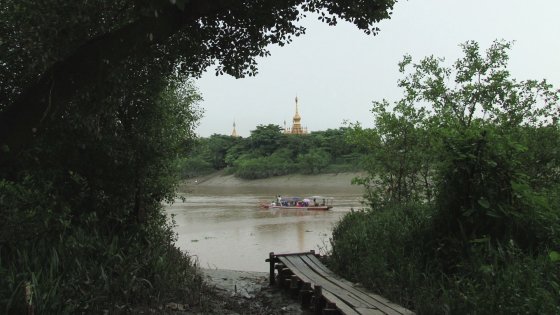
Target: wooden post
{"points": [[330, 309], [285, 279], [271, 259], [294, 286], [305, 295], [318, 299]]}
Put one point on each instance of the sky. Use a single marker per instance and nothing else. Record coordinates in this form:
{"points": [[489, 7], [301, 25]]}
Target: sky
{"points": [[337, 71]]}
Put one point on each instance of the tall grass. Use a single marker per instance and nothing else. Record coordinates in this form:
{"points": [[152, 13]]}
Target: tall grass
{"points": [[92, 266]]}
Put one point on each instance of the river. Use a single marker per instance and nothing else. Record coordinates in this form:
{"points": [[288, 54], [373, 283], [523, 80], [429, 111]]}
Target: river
{"points": [[224, 228]]}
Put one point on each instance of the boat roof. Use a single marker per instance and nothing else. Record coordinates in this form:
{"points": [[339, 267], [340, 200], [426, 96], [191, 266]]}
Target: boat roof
{"points": [[310, 198], [292, 198], [319, 197]]}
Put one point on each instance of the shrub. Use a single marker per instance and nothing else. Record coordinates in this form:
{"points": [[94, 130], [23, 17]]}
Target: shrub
{"points": [[391, 252], [87, 265]]}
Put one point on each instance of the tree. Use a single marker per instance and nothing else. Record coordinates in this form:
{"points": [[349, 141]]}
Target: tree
{"points": [[265, 140], [399, 160], [314, 161], [91, 39], [468, 127], [487, 144], [215, 149], [88, 203], [95, 110]]}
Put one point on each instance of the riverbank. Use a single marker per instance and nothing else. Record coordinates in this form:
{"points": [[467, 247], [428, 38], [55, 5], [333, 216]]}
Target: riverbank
{"points": [[335, 181], [218, 220], [236, 293]]}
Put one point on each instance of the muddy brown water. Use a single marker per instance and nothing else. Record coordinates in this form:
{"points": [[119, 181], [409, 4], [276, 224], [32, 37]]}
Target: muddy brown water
{"points": [[224, 228]]}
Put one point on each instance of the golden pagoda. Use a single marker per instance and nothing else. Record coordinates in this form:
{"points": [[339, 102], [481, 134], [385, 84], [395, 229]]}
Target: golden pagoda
{"points": [[296, 125], [234, 132]]}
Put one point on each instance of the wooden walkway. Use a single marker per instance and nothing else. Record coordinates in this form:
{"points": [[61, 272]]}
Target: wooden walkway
{"points": [[321, 290]]}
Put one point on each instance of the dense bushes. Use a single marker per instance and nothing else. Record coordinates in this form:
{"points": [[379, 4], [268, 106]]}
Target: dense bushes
{"points": [[263, 167], [269, 152], [88, 265], [471, 223], [394, 252], [82, 226]]}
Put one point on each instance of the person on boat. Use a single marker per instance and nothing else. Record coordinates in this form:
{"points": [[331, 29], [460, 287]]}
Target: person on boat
{"points": [[279, 200], [315, 202]]}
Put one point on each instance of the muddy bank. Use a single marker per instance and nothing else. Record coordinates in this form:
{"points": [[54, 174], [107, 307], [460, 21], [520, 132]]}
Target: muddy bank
{"points": [[339, 181], [222, 212], [238, 293]]}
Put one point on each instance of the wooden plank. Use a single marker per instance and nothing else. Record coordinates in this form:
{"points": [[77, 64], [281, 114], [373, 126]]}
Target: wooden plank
{"points": [[319, 268], [295, 254], [369, 311], [325, 283], [362, 298], [370, 298], [376, 300], [345, 297], [306, 276], [351, 300]]}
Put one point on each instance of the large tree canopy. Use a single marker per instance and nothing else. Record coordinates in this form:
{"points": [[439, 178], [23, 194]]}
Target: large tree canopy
{"points": [[95, 109], [52, 50]]}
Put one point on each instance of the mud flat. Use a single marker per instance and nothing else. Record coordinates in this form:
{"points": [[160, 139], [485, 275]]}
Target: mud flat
{"points": [[328, 182], [236, 293]]}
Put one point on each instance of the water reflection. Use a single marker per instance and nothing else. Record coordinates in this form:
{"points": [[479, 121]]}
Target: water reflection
{"points": [[226, 229]]}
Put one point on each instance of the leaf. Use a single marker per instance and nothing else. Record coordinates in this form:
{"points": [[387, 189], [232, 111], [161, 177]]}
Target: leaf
{"points": [[480, 240], [554, 256], [180, 4], [487, 269], [484, 203]]}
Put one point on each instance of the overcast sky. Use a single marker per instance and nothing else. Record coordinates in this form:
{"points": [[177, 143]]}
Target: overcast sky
{"points": [[337, 72]]}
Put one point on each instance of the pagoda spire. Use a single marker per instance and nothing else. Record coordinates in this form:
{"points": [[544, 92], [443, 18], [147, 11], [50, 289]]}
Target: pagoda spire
{"points": [[234, 132], [297, 116], [296, 126]]}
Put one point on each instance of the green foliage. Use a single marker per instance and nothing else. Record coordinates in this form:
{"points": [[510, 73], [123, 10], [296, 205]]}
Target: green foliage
{"points": [[400, 160], [194, 166], [265, 139], [96, 122], [263, 167], [53, 53], [314, 161], [82, 224], [269, 152], [85, 265], [395, 259], [215, 148], [463, 184]]}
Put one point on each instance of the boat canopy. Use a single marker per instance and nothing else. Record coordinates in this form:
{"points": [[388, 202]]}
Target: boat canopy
{"points": [[320, 197]]}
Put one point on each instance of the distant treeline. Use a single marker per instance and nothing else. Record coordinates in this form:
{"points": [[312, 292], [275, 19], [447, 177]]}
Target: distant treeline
{"points": [[270, 152]]}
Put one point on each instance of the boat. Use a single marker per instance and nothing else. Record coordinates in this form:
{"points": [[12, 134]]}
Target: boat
{"points": [[298, 203]]}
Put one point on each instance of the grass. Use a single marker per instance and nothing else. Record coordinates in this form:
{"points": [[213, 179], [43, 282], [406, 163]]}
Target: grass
{"points": [[94, 268]]}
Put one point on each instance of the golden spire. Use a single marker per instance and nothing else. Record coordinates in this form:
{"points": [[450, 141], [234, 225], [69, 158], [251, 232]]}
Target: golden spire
{"points": [[234, 132], [296, 126], [297, 116]]}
